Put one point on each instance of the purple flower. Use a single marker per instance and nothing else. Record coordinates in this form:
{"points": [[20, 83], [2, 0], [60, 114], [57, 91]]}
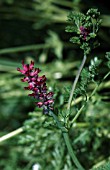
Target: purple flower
{"points": [[37, 84], [84, 32]]}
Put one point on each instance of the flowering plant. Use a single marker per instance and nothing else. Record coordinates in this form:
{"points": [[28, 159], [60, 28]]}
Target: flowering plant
{"points": [[37, 84], [84, 29]]}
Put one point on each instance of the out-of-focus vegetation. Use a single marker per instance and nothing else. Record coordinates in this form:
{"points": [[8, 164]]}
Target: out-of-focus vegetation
{"points": [[35, 30]]}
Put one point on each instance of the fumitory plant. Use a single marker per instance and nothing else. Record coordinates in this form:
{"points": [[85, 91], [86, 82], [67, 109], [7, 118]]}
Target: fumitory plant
{"points": [[84, 29], [37, 84]]}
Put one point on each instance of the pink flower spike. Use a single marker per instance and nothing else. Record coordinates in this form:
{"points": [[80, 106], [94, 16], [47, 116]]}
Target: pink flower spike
{"points": [[37, 85]]}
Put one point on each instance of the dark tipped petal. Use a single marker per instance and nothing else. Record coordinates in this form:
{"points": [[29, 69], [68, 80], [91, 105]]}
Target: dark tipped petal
{"points": [[31, 65], [32, 94], [39, 104], [50, 95], [25, 79], [48, 102], [18, 69]]}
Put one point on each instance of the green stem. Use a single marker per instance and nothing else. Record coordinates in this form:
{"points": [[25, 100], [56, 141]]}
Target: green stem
{"points": [[23, 48], [67, 142], [78, 113], [82, 107], [106, 75], [88, 99], [75, 81], [11, 134], [70, 150], [64, 3], [99, 84]]}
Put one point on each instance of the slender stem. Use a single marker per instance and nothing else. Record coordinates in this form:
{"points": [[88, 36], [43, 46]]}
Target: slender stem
{"points": [[11, 134], [70, 150], [82, 107], [88, 99], [64, 3], [67, 142], [78, 113], [75, 81], [23, 48], [99, 84], [106, 75], [67, 3]]}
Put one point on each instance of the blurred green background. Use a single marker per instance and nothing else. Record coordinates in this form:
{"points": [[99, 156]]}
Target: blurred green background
{"points": [[35, 30]]}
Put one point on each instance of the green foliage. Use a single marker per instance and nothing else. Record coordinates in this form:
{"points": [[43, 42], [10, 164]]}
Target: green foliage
{"points": [[42, 138], [85, 27], [108, 57], [36, 32], [88, 75], [106, 166], [54, 41]]}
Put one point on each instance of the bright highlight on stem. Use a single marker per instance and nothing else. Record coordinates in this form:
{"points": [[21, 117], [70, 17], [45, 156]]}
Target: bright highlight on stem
{"points": [[11, 134], [75, 81]]}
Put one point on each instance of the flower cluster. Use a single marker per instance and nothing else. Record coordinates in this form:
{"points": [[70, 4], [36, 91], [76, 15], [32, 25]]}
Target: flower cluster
{"points": [[37, 84], [85, 29], [84, 32]]}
